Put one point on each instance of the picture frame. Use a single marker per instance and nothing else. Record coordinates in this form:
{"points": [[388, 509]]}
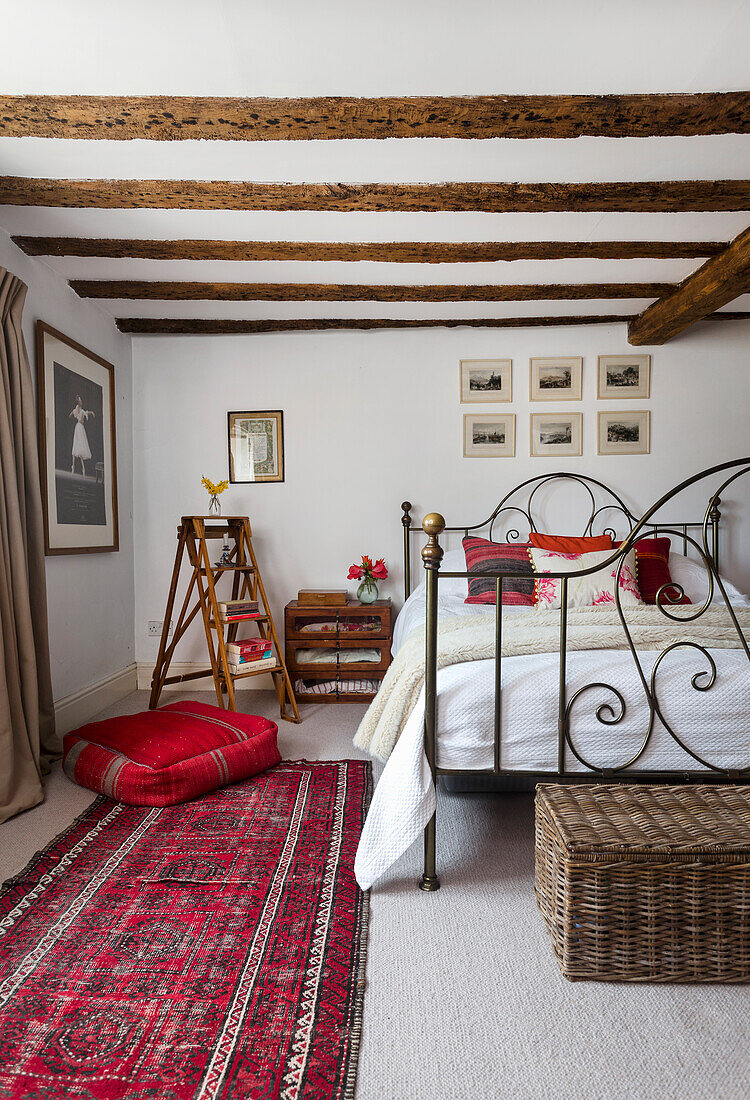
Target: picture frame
{"points": [[492, 435], [486, 380], [624, 432], [623, 377], [77, 446], [255, 442], [556, 434], [556, 378]]}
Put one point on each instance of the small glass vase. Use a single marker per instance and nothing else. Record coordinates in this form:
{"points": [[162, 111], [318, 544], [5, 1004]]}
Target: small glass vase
{"points": [[214, 505], [367, 591]]}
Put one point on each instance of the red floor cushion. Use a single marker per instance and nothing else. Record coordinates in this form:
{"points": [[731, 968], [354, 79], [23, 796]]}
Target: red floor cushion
{"points": [[169, 755]]}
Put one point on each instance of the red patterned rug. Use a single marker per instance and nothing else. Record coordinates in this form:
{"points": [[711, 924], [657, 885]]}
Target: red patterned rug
{"points": [[209, 950]]}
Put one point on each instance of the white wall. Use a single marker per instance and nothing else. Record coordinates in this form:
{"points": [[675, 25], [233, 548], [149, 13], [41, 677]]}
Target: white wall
{"points": [[90, 596], [372, 419]]}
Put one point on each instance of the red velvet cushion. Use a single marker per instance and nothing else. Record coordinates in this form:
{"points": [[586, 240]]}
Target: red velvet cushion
{"points": [[652, 561], [169, 755], [483, 556], [569, 544]]}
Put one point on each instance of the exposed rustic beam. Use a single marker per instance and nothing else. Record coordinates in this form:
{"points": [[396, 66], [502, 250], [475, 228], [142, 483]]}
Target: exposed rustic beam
{"points": [[424, 252], [199, 326], [489, 116], [718, 281], [661, 196], [151, 326], [358, 292]]}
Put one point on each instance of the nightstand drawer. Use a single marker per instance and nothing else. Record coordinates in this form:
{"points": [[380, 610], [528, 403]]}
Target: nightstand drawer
{"points": [[355, 622], [330, 658]]}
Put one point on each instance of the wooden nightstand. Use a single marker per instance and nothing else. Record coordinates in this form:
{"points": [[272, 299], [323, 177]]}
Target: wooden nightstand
{"points": [[339, 631]]}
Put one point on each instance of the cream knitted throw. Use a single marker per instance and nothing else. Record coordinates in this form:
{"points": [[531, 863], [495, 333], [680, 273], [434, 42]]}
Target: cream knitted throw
{"points": [[472, 638]]}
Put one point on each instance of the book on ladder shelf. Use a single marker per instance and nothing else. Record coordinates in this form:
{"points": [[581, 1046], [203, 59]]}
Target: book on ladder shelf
{"points": [[231, 658]]}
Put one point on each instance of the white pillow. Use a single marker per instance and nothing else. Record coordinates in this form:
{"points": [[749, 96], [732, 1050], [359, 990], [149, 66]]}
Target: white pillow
{"points": [[454, 561], [692, 576], [593, 590]]}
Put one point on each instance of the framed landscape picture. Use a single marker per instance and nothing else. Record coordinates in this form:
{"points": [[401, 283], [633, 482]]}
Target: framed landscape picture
{"points": [[77, 451], [489, 436], [487, 380], [624, 376], [555, 435], [256, 446], [556, 379], [625, 433]]}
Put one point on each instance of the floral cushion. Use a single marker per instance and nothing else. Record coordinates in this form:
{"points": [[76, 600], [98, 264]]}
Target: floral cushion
{"points": [[594, 589], [169, 755]]}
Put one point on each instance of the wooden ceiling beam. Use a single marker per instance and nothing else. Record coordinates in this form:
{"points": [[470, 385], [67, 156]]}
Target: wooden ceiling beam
{"points": [[659, 196], [148, 290], [122, 118], [427, 252], [200, 326], [718, 281]]}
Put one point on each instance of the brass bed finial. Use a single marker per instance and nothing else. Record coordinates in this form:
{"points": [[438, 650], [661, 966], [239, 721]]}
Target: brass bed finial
{"points": [[433, 526]]}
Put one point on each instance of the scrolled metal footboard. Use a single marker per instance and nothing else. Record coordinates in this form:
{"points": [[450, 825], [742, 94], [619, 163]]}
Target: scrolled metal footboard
{"points": [[611, 710]]}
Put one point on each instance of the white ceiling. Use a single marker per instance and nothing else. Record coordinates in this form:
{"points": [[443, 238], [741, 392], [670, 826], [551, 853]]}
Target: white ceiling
{"points": [[436, 47]]}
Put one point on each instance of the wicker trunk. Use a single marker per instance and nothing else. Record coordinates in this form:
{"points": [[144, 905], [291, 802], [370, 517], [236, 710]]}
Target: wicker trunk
{"points": [[645, 883]]}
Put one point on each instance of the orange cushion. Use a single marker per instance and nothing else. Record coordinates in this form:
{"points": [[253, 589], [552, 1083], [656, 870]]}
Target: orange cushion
{"points": [[567, 544]]}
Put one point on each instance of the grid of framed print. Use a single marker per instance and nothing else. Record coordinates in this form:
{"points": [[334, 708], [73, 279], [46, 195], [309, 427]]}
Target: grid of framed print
{"points": [[556, 433]]}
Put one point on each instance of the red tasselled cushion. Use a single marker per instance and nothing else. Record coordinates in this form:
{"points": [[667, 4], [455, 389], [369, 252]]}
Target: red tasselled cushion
{"points": [[169, 755], [652, 562]]}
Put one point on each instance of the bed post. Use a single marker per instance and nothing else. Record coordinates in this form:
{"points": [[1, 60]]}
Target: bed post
{"points": [[432, 554], [715, 517], [406, 521]]}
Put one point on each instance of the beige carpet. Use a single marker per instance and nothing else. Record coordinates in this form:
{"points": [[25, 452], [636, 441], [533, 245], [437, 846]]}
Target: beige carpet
{"points": [[464, 999]]}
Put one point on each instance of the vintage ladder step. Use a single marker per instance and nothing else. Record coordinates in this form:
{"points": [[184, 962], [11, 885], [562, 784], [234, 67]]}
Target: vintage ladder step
{"points": [[194, 535]]}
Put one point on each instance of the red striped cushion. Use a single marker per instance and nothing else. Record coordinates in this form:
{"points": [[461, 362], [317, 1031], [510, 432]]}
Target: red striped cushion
{"points": [[169, 755], [483, 556]]}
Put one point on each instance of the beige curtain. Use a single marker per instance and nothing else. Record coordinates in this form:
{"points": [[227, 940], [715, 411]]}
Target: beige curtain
{"points": [[27, 724]]}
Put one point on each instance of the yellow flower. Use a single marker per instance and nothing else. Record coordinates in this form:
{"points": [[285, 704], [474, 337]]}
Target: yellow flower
{"points": [[214, 490]]}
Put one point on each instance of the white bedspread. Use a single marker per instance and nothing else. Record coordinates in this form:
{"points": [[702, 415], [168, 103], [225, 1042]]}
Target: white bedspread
{"points": [[716, 724]]}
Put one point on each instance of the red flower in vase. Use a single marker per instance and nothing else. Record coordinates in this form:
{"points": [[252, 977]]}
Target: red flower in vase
{"points": [[368, 570]]}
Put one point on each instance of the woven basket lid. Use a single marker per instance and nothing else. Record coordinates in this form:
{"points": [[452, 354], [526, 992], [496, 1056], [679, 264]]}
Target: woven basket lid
{"points": [[633, 818]]}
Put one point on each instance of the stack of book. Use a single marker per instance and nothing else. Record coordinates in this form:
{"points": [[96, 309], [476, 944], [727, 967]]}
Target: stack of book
{"points": [[245, 656], [234, 611]]}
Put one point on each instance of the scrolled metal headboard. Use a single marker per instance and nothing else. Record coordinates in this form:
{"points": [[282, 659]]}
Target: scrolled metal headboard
{"points": [[600, 498]]}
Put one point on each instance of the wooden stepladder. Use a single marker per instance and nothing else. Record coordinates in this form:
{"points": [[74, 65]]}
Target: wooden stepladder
{"points": [[194, 535]]}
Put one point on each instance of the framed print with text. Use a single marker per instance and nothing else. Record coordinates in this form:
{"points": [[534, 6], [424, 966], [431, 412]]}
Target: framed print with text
{"points": [[256, 446]]}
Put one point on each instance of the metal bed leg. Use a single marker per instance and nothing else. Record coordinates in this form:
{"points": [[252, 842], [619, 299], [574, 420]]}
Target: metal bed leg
{"points": [[429, 880]]}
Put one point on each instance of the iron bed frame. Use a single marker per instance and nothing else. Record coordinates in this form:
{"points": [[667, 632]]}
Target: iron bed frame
{"points": [[706, 546]]}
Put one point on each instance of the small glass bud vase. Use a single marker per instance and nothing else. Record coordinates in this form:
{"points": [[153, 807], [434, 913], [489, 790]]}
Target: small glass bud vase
{"points": [[367, 591], [214, 505]]}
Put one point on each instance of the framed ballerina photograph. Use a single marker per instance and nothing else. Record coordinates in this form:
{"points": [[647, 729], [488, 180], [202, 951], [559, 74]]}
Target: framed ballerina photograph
{"points": [[77, 451]]}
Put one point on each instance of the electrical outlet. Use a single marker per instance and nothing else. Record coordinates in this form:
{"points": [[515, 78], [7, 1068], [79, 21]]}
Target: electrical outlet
{"points": [[155, 626]]}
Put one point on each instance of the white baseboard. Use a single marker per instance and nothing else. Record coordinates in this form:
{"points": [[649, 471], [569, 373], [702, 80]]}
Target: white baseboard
{"points": [[81, 706], [184, 668]]}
